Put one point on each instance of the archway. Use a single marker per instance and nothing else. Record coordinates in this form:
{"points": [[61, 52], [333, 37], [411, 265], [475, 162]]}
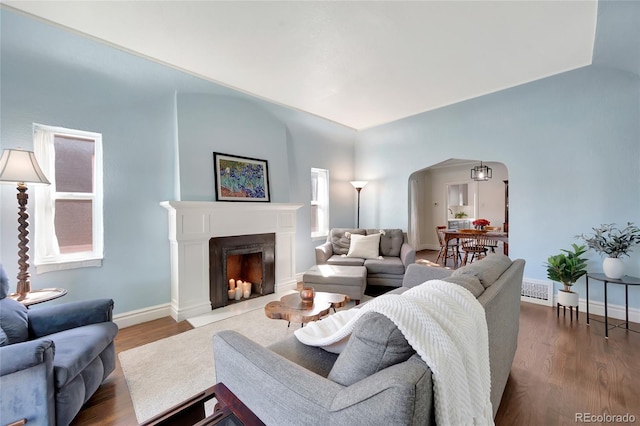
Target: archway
{"points": [[430, 191]]}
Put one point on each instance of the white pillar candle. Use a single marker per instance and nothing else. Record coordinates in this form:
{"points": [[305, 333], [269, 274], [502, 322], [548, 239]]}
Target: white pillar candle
{"points": [[232, 294], [238, 293], [232, 284], [246, 289]]}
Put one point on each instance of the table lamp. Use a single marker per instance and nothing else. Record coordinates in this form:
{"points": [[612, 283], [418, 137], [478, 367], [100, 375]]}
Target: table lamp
{"points": [[20, 167]]}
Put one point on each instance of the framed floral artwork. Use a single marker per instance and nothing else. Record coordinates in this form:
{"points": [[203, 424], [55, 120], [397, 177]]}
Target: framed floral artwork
{"points": [[240, 178]]}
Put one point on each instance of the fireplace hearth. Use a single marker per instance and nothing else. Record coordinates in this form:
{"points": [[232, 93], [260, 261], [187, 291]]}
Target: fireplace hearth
{"points": [[241, 259]]}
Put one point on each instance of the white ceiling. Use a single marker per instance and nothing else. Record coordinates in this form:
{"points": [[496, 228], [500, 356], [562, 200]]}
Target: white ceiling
{"points": [[357, 63]]}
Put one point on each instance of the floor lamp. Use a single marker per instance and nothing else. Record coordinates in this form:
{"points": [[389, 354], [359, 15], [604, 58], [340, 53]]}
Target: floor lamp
{"points": [[20, 167], [358, 185]]}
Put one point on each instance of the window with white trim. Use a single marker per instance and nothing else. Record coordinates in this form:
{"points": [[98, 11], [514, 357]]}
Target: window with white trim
{"points": [[68, 213], [319, 202]]}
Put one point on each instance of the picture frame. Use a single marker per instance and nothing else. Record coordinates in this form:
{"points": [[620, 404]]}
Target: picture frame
{"points": [[239, 178]]}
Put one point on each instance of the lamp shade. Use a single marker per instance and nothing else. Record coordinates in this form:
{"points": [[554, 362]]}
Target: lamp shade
{"points": [[358, 184], [17, 165]]}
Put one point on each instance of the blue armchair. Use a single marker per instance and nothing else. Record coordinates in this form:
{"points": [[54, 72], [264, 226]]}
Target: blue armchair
{"points": [[52, 359]]}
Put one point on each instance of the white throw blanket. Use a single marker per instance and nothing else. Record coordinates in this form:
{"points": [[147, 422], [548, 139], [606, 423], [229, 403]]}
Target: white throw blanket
{"points": [[446, 326]]}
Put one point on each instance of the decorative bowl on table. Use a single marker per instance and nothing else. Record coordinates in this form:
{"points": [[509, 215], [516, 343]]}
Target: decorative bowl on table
{"points": [[307, 294]]}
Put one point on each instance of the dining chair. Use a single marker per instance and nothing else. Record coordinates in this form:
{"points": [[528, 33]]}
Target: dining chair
{"points": [[453, 249], [492, 244], [476, 245]]}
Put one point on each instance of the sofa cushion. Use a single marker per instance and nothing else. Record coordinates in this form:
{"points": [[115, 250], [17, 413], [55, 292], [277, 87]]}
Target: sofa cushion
{"points": [[375, 344], [365, 246], [386, 265], [343, 260], [488, 270], [4, 339], [341, 239], [78, 347], [470, 282], [390, 241], [13, 320]]}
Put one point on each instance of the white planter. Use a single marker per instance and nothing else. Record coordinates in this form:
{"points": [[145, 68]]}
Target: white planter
{"points": [[613, 267], [567, 298]]}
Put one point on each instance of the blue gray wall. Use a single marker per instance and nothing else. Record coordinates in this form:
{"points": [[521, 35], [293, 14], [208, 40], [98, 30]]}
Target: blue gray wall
{"points": [[149, 116], [571, 143]]}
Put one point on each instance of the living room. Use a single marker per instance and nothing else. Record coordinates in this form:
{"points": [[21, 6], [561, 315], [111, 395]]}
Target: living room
{"points": [[570, 141]]}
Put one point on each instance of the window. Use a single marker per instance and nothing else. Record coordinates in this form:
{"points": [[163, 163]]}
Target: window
{"points": [[68, 232], [319, 202]]}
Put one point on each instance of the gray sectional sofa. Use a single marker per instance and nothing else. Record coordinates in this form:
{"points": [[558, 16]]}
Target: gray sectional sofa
{"points": [[385, 269], [377, 379]]}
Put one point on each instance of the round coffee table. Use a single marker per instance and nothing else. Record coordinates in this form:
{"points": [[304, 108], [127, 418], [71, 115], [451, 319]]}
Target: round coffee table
{"points": [[291, 308]]}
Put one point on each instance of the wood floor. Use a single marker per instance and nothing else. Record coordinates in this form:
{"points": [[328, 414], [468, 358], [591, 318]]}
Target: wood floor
{"points": [[562, 369]]}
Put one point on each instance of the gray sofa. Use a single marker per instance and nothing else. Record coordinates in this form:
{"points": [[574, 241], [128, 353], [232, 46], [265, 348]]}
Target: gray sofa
{"points": [[377, 379], [395, 254]]}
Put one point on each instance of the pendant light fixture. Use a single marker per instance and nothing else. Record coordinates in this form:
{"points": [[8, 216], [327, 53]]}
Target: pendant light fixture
{"points": [[481, 172]]}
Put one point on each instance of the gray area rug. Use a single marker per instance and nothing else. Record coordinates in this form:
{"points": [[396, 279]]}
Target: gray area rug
{"points": [[166, 372]]}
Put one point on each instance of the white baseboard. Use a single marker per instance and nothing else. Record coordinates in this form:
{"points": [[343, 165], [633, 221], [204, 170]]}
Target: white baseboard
{"points": [[597, 308], [127, 319]]}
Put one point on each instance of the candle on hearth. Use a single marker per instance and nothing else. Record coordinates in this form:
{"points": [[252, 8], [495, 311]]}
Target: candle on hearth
{"points": [[232, 284], [238, 293], [232, 294], [246, 289]]}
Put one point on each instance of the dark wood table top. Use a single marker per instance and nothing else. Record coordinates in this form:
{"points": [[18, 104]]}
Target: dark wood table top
{"points": [[228, 410]]}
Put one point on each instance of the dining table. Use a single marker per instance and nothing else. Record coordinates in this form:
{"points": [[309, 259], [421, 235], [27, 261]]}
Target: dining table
{"points": [[451, 234]]}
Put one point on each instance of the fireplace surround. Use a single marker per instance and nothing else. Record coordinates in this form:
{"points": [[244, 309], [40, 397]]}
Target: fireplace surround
{"points": [[192, 224]]}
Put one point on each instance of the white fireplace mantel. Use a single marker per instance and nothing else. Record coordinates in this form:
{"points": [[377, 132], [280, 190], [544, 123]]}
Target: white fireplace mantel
{"points": [[193, 223]]}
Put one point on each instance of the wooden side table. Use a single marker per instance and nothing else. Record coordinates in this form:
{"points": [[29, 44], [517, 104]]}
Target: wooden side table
{"points": [[39, 296], [291, 308], [228, 411], [626, 281]]}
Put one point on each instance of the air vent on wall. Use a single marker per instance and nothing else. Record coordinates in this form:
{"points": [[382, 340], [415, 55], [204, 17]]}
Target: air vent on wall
{"points": [[537, 291]]}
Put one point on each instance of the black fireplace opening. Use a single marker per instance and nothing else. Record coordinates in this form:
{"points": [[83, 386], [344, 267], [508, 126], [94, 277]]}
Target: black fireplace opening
{"points": [[240, 268]]}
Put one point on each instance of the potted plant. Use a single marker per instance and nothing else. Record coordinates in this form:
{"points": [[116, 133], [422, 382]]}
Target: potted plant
{"points": [[615, 243], [566, 268]]}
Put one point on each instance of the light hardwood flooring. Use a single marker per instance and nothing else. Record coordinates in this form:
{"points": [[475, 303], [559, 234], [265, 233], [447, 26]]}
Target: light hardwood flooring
{"points": [[562, 369]]}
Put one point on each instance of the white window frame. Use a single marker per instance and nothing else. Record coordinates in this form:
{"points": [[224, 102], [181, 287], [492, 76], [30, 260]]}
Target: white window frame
{"points": [[321, 200], [47, 251]]}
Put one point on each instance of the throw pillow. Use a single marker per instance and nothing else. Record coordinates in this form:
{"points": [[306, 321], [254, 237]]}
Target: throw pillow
{"points": [[375, 344], [365, 246], [391, 242], [470, 282], [13, 320], [341, 239], [488, 270]]}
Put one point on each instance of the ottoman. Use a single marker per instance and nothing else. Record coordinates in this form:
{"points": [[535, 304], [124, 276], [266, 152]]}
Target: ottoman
{"points": [[349, 280]]}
